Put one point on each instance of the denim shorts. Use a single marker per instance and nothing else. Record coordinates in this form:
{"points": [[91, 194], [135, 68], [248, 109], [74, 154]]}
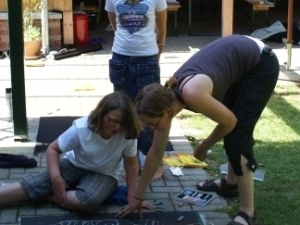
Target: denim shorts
{"points": [[91, 188], [247, 100], [130, 74]]}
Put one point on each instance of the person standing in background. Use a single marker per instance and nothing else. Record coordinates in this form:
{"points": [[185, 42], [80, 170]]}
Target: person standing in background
{"points": [[140, 34]]}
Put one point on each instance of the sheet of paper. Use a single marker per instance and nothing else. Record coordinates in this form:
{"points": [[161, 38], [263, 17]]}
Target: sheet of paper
{"points": [[176, 171]]}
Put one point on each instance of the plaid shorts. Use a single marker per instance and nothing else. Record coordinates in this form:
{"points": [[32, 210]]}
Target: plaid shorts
{"points": [[91, 188]]}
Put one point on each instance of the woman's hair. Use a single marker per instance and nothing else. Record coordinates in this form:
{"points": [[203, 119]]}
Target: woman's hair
{"points": [[153, 99], [116, 101], [171, 83]]}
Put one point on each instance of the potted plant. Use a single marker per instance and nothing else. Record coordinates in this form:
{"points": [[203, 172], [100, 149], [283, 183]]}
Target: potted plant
{"points": [[31, 32]]}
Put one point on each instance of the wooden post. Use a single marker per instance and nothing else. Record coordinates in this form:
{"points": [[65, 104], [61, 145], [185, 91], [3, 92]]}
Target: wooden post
{"points": [[68, 28], [50, 5], [227, 17], [66, 7], [3, 5], [289, 37]]}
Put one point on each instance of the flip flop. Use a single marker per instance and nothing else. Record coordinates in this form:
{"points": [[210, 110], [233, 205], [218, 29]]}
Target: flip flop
{"points": [[248, 219]]}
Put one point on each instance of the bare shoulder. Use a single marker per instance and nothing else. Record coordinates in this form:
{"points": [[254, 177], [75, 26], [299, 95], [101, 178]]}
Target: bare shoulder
{"points": [[198, 83]]}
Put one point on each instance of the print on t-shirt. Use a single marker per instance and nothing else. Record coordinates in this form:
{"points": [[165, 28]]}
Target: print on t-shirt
{"points": [[133, 15]]}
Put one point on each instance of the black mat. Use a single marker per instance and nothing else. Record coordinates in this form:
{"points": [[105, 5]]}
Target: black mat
{"points": [[77, 51], [152, 218], [51, 127]]}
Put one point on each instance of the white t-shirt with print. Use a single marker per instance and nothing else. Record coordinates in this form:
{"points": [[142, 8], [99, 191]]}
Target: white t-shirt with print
{"points": [[136, 22], [88, 150]]}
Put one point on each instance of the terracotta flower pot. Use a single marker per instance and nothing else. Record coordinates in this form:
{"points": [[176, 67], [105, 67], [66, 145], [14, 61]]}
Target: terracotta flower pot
{"points": [[32, 49]]}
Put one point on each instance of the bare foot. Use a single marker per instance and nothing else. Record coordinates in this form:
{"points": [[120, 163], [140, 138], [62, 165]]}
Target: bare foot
{"points": [[159, 172]]}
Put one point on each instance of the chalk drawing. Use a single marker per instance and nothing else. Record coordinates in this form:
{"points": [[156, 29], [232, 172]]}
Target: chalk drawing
{"points": [[108, 222]]}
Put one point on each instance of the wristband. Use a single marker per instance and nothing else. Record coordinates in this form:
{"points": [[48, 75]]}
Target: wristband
{"points": [[54, 178], [140, 199]]}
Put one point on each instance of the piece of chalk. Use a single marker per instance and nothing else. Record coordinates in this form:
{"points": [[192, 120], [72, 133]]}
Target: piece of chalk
{"points": [[181, 204], [158, 203], [180, 218]]}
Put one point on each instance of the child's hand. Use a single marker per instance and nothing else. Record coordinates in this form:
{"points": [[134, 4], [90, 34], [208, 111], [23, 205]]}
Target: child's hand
{"points": [[147, 205]]}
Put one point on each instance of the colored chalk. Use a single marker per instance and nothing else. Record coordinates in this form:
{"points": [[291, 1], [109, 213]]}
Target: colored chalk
{"points": [[180, 218]]}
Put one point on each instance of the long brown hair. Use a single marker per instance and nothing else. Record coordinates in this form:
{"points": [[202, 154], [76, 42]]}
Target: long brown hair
{"points": [[153, 99], [116, 101]]}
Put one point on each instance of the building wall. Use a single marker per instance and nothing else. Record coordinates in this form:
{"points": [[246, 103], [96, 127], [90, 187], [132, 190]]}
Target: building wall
{"points": [[55, 37], [65, 7]]}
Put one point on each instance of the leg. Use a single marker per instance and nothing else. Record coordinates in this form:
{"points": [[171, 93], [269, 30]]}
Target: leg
{"points": [[92, 190], [12, 193], [239, 143], [159, 172], [231, 178], [246, 190], [139, 162], [72, 201]]}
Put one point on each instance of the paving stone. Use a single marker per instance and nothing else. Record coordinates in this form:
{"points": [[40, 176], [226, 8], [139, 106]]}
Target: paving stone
{"points": [[8, 215]]}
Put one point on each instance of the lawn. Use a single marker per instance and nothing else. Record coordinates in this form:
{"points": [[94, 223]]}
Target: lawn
{"points": [[277, 151]]}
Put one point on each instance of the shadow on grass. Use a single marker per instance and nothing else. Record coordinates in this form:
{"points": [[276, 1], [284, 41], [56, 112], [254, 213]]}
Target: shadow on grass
{"points": [[279, 193], [284, 110]]}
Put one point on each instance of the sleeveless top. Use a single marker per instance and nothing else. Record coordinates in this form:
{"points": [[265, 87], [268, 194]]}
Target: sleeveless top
{"points": [[225, 61]]}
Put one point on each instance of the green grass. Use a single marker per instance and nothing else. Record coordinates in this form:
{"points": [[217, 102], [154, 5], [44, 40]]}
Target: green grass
{"points": [[277, 150]]}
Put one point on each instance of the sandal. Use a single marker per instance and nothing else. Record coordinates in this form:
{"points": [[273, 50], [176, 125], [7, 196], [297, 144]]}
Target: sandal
{"points": [[248, 219], [226, 190]]}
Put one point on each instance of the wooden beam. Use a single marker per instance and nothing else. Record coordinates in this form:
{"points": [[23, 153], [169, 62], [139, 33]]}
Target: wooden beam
{"points": [[227, 17], [63, 5], [68, 5], [58, 5], [68, 35], [3, 5], [51, 5]]}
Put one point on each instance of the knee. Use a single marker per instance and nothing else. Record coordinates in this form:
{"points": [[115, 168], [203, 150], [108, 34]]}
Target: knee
{"points": [[237, 166], [89, 201], [252, 164]]}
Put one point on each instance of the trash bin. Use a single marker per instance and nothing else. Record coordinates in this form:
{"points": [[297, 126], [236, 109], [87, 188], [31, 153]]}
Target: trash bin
{"points": [[92, 20], [81, 32]]}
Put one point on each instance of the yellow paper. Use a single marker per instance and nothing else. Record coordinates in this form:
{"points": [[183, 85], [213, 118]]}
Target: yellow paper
{"points": [[172, 161], [191, 161], [184, 160]]}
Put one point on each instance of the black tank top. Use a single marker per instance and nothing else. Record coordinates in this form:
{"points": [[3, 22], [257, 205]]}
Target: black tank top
{"points": [[225, 61]]}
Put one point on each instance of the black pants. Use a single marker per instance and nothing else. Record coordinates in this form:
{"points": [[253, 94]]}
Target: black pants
{"points": [[247, 100]]}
